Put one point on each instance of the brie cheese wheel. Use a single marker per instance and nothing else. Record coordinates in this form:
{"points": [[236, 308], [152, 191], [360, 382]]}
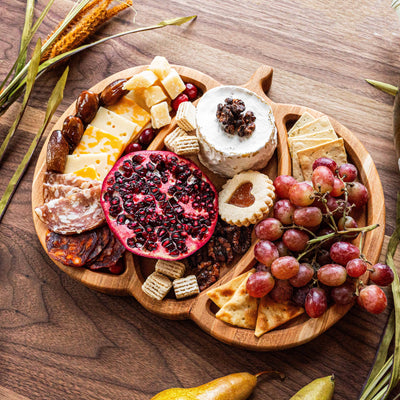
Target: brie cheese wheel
{"points": [[227, 154]]}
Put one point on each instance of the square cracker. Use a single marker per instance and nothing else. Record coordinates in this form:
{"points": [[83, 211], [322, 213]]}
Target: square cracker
{"points": [[272, 314], [304, 119], [240, 310], [319, 124], [222, 294], [333, 149], [325, 134]]}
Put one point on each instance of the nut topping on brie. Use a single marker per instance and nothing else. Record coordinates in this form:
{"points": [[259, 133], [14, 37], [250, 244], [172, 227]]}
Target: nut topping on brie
{"points": [[228, 154]]}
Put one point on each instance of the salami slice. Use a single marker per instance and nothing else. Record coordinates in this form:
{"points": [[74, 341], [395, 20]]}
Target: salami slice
{"points": [[71, 250], [109, 256], [56, 191], [76, 213], [53, 178], [104, 235]]}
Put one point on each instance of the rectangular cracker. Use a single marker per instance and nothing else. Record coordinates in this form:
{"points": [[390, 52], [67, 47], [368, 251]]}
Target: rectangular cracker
{"points": [[186, 116], [304, 119], [299, 146], [333, 149], [186, 287], [173, 269], [156, 286], [319, 124], [325, 134]]}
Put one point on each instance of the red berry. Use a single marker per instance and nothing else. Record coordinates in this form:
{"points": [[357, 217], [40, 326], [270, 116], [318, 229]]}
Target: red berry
{"points": [[133, 147], [146, 136], [191, 91], [178, 100]]}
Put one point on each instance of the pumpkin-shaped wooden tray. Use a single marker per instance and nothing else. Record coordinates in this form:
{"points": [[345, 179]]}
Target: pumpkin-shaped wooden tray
{"points": [[199, 308]]}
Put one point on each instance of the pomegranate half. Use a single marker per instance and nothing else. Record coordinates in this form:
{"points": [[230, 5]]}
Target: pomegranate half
{"points": [[159, 205]]}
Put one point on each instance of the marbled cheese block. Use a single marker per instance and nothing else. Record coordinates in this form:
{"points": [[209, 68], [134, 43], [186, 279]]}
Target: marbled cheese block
{"points": [[92, 166], [227, 154]]}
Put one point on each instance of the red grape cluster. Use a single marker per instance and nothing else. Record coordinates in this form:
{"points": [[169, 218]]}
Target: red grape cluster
{"points": [[304, 251]]}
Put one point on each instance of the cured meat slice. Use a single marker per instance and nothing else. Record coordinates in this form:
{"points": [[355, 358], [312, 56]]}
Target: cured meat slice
{"points": [[71, 250], [76, 213], [70, 179], [104, 235], [56, 191], [109, 256]]}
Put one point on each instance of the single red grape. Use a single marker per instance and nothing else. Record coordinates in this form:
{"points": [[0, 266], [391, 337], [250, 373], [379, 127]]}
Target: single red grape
{"points": [[348, 172], [381, 274], [146, 137], [316, 302], [284, 210], [265, 252], [323, 179], [285, 267], [269, 229], [178, 100], [356, 267], [343, 294], [260, 284], [308, 217], [282, 291], [373, 299], [338, 187], [343, 252], [133, 147], [299, 295], [301, 194], [324, 257], [332, 274], [325, 162], [357, 194], [345, 223], [190, 91], [282, 184], [282, 249], [305, 274], [295, 239]]}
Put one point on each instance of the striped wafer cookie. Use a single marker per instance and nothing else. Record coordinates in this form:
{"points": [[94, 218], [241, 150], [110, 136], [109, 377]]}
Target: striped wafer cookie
{"points": [[169, 139], [185, 287], [173, 269], [186, 145], [186, 116], [156, 286]]}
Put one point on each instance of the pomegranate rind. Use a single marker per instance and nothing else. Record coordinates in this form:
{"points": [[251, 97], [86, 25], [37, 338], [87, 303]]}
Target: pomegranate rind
{"points": [[123, 223]]}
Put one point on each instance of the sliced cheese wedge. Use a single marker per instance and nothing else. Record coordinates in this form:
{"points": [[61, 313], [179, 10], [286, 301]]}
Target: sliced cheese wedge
{"points": [[111, 122], [92, 166]]}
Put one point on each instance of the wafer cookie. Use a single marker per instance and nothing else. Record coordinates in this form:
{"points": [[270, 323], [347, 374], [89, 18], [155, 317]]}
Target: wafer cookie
{"points": [[169, 139], [173, 269], [186, 287], [186, 116], [156, 286], [186, 145]]}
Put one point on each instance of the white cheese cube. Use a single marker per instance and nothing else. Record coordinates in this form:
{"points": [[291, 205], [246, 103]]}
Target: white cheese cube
{"points": [[160, 115], [173, 84], [143, 79], [160, 66], [154, 95]]}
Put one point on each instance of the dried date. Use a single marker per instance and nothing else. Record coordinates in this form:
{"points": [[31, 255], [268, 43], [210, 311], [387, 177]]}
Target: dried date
{"points": [[113, 92], [57, 151], [73, 131], [87, 105]]}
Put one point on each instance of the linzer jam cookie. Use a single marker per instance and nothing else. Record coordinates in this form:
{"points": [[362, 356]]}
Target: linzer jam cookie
{"points": [[246, 198]]}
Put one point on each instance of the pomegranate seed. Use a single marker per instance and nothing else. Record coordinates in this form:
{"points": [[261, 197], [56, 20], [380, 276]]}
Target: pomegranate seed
{"points": [[191, 91], [177, 101]]}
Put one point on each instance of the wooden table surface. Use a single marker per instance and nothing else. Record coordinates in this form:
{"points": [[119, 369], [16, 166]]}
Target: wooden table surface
{"points": [[61, 340]]}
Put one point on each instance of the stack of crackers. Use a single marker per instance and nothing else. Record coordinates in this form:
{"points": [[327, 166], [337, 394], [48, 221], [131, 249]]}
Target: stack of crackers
{"points": [[311, 138], [238, 308]]}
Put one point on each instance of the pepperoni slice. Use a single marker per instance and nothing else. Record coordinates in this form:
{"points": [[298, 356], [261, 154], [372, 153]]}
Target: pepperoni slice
{"points": [[109, 256]]}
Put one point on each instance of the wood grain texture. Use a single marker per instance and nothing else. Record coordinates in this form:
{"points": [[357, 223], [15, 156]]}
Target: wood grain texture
{"points": [[61, 340]]}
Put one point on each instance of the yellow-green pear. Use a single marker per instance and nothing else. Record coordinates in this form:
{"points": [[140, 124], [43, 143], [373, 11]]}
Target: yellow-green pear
{"points": [[319, 389], [231, 387]]}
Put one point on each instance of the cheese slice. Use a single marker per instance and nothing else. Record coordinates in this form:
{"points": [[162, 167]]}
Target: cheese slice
{"points": [[95, 140], [304, 119], [111, 122], [319, 124], [92, 166], [130, 110]]}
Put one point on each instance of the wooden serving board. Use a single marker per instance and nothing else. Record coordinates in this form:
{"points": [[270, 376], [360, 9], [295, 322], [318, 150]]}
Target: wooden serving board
{"points": [[200, 308]]}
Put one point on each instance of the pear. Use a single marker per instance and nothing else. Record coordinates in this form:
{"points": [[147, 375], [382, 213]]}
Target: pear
{"points": [[231, 387], [319, 389]]}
